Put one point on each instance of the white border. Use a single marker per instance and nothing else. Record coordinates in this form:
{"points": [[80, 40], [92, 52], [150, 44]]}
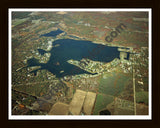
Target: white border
{"points": [[112, 117]]}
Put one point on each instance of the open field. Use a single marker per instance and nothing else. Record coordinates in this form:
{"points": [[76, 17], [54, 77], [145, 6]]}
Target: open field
{"points": [[113, 83], [101, 102]]}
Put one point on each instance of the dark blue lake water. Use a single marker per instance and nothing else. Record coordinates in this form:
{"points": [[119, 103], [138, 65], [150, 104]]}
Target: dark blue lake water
{"points": [[53, 33], [68, 49]]}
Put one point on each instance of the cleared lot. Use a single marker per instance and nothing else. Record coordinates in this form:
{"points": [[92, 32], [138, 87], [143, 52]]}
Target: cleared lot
{"points": [[77, 102], [89, 103], [59, 109]]}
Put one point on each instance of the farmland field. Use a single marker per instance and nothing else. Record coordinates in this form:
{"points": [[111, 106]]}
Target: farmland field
{"points": [[113, 83]]}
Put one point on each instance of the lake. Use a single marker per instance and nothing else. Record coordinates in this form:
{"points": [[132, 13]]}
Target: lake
{"points": [[67, 49], [53, 33]]}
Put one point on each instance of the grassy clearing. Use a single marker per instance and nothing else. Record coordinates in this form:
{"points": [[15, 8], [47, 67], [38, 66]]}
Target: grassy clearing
{"points": [[101, 102], [142, 97], [19, 21], [113, 83]]}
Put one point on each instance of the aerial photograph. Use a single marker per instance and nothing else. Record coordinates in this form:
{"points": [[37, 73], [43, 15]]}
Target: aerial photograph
{"points": [[79, 63]]}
